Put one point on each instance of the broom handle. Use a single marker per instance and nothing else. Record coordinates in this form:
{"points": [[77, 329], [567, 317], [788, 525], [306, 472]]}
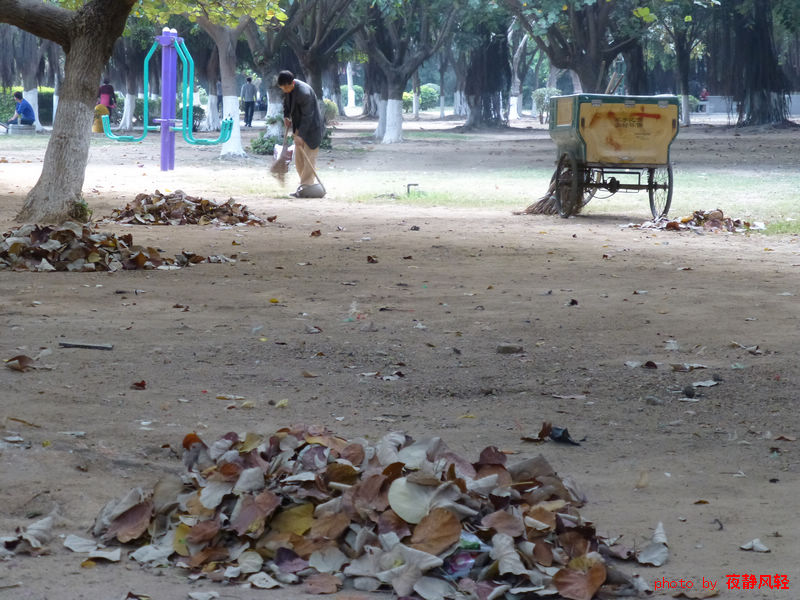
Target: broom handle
{"points": [[313, 170]]}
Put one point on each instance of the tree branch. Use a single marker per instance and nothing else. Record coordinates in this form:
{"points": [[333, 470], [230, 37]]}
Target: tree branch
{"points": [[41, 19]]}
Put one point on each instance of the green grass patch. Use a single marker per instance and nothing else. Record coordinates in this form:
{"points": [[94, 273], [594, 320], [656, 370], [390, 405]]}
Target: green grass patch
{"points": [[783, 228], [428, 135], [437, 135]]}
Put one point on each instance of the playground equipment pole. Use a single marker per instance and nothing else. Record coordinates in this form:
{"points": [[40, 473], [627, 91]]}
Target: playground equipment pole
{"points": [[172, 47], [169, 70]]}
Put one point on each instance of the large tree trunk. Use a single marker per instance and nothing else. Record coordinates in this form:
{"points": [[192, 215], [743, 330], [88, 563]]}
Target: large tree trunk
{"points": [[133, 81], [394, 121], [394, 111], [225, 39], [488, 79], [275, 109], [682, 59], [760, 84], [28, 63], [415, 91], [460, 106], [442, 73], [635, 74], [88, 36]]}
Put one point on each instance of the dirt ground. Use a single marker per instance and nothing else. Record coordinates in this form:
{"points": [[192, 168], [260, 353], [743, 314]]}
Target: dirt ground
{"points": [[582, 296]]}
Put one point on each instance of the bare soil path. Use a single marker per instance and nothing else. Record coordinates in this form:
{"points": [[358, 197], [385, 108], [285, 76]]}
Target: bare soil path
{"points": [[582, 296]]}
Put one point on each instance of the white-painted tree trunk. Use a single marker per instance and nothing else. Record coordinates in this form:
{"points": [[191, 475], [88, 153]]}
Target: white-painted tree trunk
{"points": [[55, 106], [686, 110], [276, 129], [415, 106], [513, 107], [394, 122], [351, 93], [32, 96], [576, 82], [381, 104], [441, 106], [460, 107], [126, 122], [230, 109], [212, 120]]}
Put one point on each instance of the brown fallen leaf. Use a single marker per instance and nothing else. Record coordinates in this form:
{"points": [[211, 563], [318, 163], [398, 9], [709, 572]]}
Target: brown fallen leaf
{"points": [[372, 259], [436, 532], [131, 524], [316, 233], [272, 219], [330, 525], [580, 584], [20, 363], [542, 436], [139, 385], [322, 583], [504, 522]]}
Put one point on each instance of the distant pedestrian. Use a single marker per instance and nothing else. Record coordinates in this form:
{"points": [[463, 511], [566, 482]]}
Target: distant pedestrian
{"points": [[248, 95], [106, 96], [219, 96], [23, 115], [301, 113]]}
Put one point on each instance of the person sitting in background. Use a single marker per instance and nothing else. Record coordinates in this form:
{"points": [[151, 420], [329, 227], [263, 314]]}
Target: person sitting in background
{"points": [[704, 95], [24, 114]]}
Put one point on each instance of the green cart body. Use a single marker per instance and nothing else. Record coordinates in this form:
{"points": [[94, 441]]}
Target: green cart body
{"points": [[613, 143]]}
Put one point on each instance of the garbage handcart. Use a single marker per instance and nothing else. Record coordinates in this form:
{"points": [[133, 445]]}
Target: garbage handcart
{"points": [[612, 143]]}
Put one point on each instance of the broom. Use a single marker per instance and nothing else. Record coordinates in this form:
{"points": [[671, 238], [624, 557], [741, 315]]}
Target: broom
{"points": [[280, 166], [546, 205]]}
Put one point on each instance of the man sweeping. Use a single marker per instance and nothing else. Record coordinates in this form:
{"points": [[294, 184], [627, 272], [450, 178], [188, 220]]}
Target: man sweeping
{"points": [[301, 113]]}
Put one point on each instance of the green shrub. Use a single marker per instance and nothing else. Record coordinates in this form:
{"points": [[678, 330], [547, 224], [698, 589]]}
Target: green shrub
{"points": [[428, 96], [266, 145], [408, 101], [46, 105], [327, 139], [359, 92], [330, 111], [198, 115], [7, 105], [153, 107], [541, 100]]}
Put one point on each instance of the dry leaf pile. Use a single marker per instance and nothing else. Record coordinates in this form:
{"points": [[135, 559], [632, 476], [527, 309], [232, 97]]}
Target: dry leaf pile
{"points": [[304, 506], [178, 208], [706, 220], [74, 247]]}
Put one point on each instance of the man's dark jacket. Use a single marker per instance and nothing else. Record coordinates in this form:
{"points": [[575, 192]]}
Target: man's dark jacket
{"points": [[300, 105]]}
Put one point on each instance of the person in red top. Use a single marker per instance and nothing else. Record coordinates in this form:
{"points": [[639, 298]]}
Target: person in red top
{"points": [[704, 94], [106, 95]]}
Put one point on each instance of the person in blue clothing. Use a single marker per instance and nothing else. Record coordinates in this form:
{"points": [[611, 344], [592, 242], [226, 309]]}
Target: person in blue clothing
{"points": [[24, 114]]}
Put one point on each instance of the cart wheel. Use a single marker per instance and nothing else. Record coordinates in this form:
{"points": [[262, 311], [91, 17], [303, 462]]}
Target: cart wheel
{"points": [[589, 186], [659, 187], [568, 188]]}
